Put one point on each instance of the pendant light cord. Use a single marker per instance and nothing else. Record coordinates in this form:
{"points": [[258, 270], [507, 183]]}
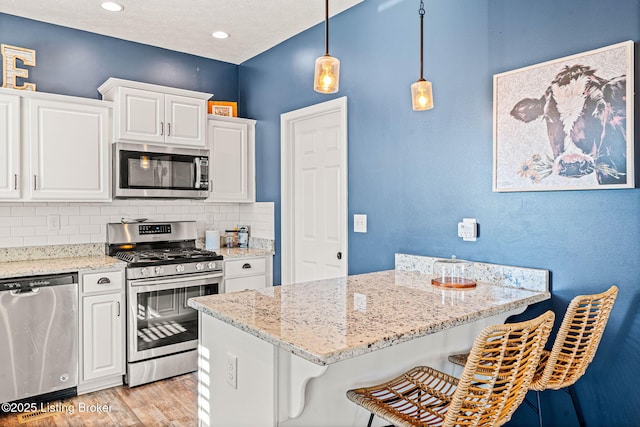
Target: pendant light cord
{"points": [[421, 11], [326, 27]]}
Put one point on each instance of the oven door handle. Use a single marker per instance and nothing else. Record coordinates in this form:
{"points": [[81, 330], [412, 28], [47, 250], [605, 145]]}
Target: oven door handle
{"points": [[149, 285]]}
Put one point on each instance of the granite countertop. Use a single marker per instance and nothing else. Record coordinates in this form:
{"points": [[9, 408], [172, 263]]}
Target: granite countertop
{"points": [[331, 320], [57, 265], [230, 253]]}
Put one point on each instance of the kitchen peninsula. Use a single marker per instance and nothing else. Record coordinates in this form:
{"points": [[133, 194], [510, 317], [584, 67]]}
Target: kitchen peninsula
{"points": [[287, 355]]}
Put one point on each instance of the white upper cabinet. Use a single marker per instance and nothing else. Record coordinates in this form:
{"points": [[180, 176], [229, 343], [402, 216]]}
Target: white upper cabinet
{"points": [[186, 120], [231, 143], [54, 147], [9, 146], [156, 114], [68, 149], [139, 116]]}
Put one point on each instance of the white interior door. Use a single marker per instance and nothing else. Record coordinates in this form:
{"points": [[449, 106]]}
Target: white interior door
{"points": [[314, 192]]}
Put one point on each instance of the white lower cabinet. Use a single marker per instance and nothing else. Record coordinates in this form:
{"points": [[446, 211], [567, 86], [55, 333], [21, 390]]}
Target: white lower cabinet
{"points": [[247, 273], [102, 330]]}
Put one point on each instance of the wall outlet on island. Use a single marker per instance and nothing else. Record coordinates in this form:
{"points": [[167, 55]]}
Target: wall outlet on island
{"points": [[232, 370]]}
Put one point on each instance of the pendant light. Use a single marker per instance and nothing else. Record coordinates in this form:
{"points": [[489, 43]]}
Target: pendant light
{"points": [[327, 72], [421, 93]]}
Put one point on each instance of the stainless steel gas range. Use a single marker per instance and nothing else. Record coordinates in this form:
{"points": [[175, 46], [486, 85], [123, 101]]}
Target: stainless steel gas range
{"points": [[164, 269]]}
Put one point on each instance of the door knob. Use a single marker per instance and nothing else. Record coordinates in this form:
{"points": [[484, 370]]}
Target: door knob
{"points": [[339, 255]]}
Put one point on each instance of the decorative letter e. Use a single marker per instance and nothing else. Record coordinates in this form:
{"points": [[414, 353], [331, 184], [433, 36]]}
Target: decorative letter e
{"points": [[10, 54]]}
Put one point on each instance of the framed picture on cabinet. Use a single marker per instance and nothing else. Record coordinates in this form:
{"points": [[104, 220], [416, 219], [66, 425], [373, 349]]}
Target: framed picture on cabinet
{"points": [[223, 108], [565, 124]]}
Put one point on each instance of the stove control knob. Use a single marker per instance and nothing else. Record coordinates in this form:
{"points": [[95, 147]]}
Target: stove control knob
{"points": [[144, 271], [159, 270], [211, 265], [179, 268], [199, 267]]}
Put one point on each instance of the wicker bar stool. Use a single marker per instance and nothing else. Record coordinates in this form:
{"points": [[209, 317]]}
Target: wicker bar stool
{"points": [[494, 382], [573, 349]]}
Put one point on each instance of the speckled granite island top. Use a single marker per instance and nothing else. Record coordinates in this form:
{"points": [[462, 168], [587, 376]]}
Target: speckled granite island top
{"points": [[332, 320]]}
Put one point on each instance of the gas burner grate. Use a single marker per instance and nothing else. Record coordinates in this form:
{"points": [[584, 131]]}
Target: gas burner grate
{"points": [[160, 255], [125, 256]]}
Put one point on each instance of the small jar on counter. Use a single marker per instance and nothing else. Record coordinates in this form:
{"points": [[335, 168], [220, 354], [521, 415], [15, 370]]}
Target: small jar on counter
{"points": [[231, 239]]}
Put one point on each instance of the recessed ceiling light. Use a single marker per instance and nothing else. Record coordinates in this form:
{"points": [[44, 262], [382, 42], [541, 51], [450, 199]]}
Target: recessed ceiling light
{"points": [[112, 6], [220, 35]]}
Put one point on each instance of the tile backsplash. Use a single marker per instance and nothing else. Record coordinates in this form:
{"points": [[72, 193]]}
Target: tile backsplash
{"points": [[27, 224]]}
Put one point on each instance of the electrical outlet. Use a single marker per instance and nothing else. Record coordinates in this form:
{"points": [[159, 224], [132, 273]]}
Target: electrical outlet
{"points": [[468, 229], [359, 302], [53, 222], [232, 370], [359, 223]]}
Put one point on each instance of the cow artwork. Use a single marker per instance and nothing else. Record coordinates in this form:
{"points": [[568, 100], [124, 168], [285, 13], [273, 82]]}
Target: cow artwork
{"points": [[586, 123], [580, 115]]}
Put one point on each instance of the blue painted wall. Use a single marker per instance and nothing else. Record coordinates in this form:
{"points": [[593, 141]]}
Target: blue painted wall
{"points": [[73, 62], [417, 174]]}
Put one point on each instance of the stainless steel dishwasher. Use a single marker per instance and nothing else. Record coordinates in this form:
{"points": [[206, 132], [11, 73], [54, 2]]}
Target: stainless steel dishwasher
{"points": [[38, 337]]}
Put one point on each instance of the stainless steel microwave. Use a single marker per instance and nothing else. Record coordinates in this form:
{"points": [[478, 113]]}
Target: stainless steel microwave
{"points": [[156, 171]]}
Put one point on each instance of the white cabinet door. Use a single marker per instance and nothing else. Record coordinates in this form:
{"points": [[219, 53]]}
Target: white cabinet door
{"points": [[9, 146], [244, 283], [232, 160], [247, 273], [157, 114], [185, 120], [69, 150], [140, 116], [103, 340]]}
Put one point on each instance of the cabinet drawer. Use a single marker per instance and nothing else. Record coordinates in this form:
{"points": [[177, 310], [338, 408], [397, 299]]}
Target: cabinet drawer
{"points": [[243, 283], [102, 281], [244, 267]]}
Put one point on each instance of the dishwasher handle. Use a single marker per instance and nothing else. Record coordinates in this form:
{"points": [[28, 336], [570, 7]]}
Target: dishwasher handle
{"points": [[25, 292]]}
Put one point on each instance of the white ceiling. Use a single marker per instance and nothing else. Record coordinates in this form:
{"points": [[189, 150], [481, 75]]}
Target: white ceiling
{"points": [[186, 25]]}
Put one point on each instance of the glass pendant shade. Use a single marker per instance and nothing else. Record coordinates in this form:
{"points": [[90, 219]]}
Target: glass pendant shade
{"points": [[326, 78], [421, 95]]}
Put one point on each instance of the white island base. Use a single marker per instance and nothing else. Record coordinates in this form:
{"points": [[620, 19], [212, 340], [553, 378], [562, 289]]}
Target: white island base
{"points": [[274, 387]]}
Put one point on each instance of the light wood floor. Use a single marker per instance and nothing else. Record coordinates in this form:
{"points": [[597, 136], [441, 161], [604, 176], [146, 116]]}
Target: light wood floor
{"points": [[171, 402]]}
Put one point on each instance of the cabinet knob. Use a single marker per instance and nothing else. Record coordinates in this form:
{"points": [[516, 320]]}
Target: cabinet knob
{"points": [[247, 265], [104, 281]]}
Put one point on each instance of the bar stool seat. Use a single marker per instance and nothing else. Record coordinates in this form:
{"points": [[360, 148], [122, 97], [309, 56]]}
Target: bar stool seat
{"points": [[494, 382], [573, 349]]}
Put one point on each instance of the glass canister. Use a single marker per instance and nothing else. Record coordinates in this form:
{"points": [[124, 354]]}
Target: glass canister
{"points": [[453, 273]]}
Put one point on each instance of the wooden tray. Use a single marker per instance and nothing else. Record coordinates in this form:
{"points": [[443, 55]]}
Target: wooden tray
{"points": [[453, 283]]}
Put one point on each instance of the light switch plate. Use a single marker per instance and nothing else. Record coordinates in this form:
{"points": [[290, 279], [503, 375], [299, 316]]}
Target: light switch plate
{"points": [[359, 223]]}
